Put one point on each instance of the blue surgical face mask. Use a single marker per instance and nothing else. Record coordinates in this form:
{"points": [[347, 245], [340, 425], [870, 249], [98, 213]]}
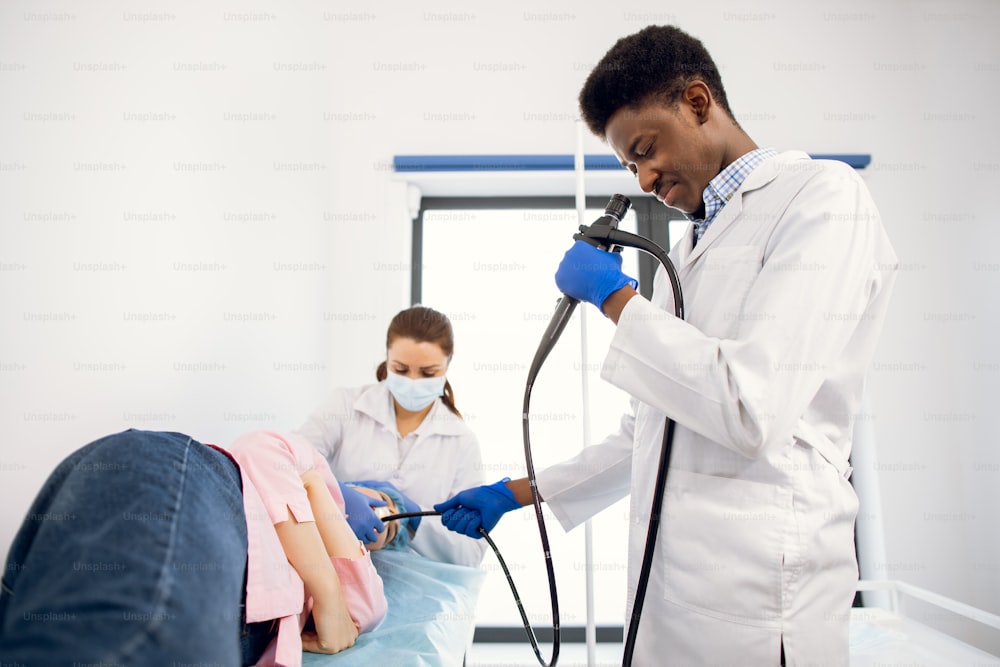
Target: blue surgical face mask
{"points": [[414, 395]]}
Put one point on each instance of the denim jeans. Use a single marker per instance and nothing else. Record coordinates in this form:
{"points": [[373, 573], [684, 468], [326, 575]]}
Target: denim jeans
{"points": [[133, 553]]}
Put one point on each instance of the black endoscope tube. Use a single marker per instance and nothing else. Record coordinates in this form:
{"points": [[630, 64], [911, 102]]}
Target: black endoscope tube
{"points": [[503, 566], [613, 213], [605, 236]]}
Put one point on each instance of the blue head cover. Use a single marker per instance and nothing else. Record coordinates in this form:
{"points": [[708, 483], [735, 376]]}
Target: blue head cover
{"points": [[402, 539]]}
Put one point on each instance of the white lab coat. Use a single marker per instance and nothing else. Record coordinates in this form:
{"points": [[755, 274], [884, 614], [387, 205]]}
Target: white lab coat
{"points": [[355, 429], [785, 297]]}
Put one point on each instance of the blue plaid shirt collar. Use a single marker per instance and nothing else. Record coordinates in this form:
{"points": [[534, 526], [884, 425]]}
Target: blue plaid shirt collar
{"points": [[721, 188]]}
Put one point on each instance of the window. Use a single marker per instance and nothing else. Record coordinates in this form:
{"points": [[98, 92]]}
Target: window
{"points": [[489, 265]]}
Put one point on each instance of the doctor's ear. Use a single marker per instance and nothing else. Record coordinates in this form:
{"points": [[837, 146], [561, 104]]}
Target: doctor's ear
{"points": [[698, 99]]}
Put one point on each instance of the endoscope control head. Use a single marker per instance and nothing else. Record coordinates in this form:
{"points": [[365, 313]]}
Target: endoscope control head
{"points": [[617, 207], [596, 234]]}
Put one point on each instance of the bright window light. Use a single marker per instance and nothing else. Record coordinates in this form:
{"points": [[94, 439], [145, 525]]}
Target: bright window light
{"points": [[491, 272]]}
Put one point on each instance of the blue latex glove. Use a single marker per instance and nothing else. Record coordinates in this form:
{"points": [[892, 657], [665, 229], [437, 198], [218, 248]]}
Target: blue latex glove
{"points": [[360, 516], [410, 506], [591, 274], [479, 506]]}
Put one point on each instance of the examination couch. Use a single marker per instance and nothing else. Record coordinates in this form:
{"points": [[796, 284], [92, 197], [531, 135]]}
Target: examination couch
{"points": [[430, 620]]}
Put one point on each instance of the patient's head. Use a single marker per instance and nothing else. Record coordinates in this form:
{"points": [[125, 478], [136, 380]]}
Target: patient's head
{"points": [[392, 527]]}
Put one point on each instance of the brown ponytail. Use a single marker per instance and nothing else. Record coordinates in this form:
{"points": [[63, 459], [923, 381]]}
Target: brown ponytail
{"points": [[424, 325]]}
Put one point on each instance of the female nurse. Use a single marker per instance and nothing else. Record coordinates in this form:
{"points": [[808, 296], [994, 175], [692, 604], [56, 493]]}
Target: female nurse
{"points": [[404, 435]]}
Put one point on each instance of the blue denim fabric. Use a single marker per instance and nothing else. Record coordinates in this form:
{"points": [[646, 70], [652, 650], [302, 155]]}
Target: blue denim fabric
{"points": [[133, 553]]}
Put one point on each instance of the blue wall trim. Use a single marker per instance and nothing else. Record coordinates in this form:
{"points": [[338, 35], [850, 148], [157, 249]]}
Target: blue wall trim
{"points": [[428, 163], [856, 160]]}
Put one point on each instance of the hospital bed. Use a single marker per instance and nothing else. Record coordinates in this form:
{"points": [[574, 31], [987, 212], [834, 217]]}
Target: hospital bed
{"points": [[430, 620], [896, 634], [899, 632]]}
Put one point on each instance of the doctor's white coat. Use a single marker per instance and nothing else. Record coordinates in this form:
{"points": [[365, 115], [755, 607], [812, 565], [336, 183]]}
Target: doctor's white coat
{"points": [[785, 296]]}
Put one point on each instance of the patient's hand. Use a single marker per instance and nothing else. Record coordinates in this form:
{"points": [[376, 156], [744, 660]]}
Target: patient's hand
{"points": [[335, 629]]}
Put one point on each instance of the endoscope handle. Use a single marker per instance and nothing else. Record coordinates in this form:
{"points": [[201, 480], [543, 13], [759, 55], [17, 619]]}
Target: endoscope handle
{"points": [[599, 235], [599, 232], [596, 234], [596, 242]]}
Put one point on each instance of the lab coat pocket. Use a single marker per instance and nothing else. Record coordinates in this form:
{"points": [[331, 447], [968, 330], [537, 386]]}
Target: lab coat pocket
{"points": [[721, 542], [718, 287]]}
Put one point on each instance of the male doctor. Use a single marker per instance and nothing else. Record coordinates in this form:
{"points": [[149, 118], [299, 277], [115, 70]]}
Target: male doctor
{"points": [[786, 273]]}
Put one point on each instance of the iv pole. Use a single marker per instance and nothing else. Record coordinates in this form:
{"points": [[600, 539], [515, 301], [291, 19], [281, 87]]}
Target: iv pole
{"points": [[581, 212]]}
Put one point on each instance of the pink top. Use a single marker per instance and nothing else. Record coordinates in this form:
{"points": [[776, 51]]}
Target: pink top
{"points": [[271, 465]]}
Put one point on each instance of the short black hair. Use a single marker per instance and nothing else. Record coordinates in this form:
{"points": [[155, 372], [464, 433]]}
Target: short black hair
{"points": [[658, 62]]}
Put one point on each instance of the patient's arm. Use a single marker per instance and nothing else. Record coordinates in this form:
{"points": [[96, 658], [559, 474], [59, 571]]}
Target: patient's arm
{"points": [[337, 535], [308, 547]]}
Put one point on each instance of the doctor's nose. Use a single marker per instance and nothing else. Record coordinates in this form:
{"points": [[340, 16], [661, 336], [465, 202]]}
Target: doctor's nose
{"points": [[647, 178]]}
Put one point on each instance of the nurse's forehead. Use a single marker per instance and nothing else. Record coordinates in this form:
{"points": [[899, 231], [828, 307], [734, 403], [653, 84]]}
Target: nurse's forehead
{"points": [[410, 345], [420, 354]]}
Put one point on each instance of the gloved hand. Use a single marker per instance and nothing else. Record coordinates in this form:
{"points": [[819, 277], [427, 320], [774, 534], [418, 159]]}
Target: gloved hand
{"points": [[360, 517], [411, 506], [479, 506], [591, 274]]}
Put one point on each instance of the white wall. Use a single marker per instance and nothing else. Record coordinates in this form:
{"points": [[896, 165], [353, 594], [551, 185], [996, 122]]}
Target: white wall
{"points": [[201, 232]]}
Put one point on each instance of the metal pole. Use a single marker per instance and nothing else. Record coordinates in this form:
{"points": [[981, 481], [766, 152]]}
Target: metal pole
{"points": [[869, 525], [581, 213]]}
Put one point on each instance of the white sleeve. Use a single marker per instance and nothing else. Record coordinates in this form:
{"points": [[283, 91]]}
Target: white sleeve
{"points": [[747, 392]]}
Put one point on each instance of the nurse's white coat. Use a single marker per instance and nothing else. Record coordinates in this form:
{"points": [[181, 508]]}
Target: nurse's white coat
{"points": [[355, 429]]}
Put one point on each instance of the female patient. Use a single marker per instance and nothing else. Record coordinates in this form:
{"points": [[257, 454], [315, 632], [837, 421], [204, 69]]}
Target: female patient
{"points": [[144, 547], [284, 476]]}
